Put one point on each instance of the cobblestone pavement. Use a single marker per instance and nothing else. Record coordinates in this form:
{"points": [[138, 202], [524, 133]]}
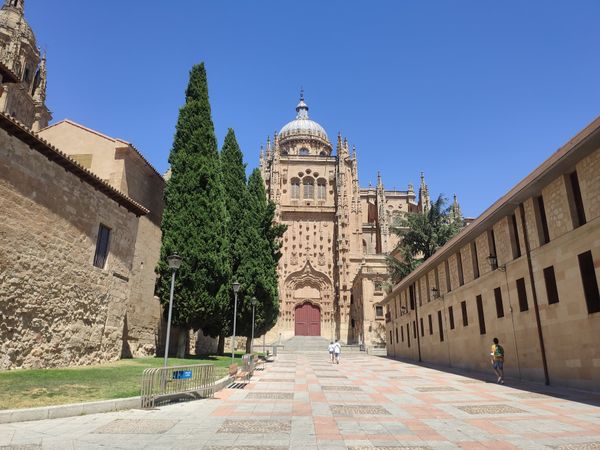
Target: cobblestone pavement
{"points": [[302, 402]]}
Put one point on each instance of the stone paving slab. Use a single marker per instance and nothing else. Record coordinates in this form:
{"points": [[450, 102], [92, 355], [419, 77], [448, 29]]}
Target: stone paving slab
{"points": [[304, 402]]}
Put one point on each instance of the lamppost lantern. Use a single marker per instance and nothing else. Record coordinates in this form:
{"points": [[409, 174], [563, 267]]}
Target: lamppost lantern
{"points": [[174, 261], [236, 287], [253, 301], [435, 292], [493, 260]]}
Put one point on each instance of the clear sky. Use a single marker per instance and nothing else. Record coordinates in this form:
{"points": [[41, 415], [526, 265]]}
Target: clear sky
{"points": [[474, 93]]}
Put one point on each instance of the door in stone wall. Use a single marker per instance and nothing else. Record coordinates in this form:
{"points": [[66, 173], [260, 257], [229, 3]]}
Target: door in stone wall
{"points": [[308, 320]]}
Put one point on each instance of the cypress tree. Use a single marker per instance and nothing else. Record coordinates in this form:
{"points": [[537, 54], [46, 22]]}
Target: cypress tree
{"points": [[194, 223], [258, 268], [234, 183]]}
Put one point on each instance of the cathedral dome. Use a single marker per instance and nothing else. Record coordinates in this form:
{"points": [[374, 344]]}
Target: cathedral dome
{"points": [[11, 18], [302, 126]]}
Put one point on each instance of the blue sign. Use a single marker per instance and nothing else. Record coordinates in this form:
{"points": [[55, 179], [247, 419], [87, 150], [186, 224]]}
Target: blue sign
{"points": [[182, 374]]}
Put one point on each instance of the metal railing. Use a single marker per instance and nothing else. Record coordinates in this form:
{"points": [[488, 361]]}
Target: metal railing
{"points": [[162, 385]]}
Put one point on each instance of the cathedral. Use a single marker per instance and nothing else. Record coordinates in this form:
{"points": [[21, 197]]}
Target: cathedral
{"points": [[332, 270], [22, 69]]}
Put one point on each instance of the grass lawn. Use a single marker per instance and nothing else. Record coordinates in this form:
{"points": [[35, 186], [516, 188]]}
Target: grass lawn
{"points": [[43, 387]]}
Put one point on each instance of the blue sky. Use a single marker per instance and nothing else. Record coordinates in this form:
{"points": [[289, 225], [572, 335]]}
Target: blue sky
{"points": [[474, 93]]}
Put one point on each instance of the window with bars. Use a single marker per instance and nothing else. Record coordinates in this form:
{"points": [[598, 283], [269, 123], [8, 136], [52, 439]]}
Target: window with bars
{"points": [[102, 243], [309, 188], [321, 189], [295, 183]]}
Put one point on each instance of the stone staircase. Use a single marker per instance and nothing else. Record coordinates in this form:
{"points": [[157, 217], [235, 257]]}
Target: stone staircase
{"points": [[310, 344]]}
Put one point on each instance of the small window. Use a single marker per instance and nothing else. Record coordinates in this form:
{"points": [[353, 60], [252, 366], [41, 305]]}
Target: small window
{"points": [[379, 311], [551, 289], [309, 188], [440, 326], [579, 218], [102, 246], [474, 260], [303, 151], [422, 327], [295, 183], [499, 305], [397, 340], [402, 333], [522, 294], [465, 317], [411, 293], [480, 314], [515, 237], [352, 323], [451, 317], [492, 244], [391, 337], [415, 329], [408, 335], [459, 266], [378, 286], [590, 282], [430, 324], [447, 269], [543, 222]]}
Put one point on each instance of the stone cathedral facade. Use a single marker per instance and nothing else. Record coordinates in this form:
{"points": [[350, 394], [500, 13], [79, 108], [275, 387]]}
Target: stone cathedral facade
{"points": [[338, 234], [22, 69]]}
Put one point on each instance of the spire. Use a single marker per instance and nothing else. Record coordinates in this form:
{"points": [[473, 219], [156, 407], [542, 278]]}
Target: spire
{"points": [[379, 183], [39, 92], [302, 107], [354, 152], [455, 213], [19, 5], [424, 200]]}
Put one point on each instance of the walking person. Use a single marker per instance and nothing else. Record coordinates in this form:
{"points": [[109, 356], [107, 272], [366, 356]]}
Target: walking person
{"points": [[337, 349], [497, 355], [330, 349]]}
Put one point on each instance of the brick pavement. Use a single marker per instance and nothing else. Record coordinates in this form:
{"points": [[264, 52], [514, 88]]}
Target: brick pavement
{"points": [[303, 402]]}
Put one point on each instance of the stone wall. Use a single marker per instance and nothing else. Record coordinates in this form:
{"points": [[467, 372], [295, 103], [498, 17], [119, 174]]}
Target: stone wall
{"points": [[56, 307]]}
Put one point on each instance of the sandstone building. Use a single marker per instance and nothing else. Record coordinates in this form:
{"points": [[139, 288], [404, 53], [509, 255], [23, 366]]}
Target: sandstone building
{"points": [[80, 220], [333, 265], [525, 271]]}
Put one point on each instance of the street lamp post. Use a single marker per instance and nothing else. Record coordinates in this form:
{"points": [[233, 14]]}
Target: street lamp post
{"points": [[236, 288], [174, 263], [253, 302]]}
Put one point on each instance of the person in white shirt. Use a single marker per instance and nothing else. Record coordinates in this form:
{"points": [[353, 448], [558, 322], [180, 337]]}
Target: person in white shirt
{"points": [[330, 348], [337, 349]]}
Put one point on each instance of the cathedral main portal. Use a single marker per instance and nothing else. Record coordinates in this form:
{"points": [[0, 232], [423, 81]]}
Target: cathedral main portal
{"points": [[308, 320]]}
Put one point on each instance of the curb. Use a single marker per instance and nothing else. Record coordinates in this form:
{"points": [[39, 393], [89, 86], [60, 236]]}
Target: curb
{"points": [[81, 409]]}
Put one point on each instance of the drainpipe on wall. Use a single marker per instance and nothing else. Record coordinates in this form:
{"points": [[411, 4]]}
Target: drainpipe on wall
{"points": [[534, 293]]}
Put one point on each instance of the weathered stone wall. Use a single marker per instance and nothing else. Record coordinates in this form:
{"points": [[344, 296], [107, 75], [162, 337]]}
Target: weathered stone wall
{"points": [[56, 308]]}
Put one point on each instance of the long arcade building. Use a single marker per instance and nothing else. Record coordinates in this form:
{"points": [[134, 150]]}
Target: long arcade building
{"points": [[526, 271]]}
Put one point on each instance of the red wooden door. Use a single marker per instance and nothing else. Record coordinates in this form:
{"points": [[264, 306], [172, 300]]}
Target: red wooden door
{"points": [[308, 320]]}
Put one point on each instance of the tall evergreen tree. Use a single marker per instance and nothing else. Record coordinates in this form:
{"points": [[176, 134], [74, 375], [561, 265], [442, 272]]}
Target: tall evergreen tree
{"points": [[234, 183], [194, 223], [258, 268], [421, 234]]}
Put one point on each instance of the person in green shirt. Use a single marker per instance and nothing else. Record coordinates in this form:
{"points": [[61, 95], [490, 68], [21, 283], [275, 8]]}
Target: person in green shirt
{"points": [[497, 354]]}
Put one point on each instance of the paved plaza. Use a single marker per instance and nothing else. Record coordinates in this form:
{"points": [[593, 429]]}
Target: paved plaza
{"points": [[301, 401]]}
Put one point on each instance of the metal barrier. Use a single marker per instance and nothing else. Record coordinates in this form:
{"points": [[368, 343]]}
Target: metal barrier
{"points": [[161, 385]]}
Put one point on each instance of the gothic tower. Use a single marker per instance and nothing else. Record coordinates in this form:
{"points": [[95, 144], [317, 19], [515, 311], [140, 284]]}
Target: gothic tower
{"points": [[317, 197], [22, 69]]}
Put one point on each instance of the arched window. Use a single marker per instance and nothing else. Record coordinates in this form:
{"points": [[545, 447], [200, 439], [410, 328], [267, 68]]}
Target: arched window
{"points": [[309, 188], [295, 183], [321, 189], [303, 151]]}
